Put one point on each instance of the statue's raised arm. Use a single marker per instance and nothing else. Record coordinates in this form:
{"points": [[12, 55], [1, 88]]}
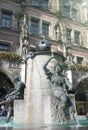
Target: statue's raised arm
{"points": [[68, 84], [47, 71]]}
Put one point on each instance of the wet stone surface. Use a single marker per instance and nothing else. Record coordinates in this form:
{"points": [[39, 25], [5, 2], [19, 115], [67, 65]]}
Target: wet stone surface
{"points": [[44, 128]]}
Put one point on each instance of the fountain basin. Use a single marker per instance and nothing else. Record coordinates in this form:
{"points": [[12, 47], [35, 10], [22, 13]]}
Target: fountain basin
{"points": [[83, 122]]}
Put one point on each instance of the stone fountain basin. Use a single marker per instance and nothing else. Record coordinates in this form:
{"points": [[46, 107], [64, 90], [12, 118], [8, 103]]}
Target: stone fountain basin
{"points": [[83, 122]]}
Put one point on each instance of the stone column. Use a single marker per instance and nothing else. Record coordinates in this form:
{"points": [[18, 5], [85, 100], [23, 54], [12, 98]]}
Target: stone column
{"points": [[64, 49], [72, 96], [58, 4], [13, 21], [29, 25], [80, 38], [50, 4], [87, 40], [40, 28], [72, 36], [51, 33], [69, 74], [85, 13], [23, 72], [0, 14]]}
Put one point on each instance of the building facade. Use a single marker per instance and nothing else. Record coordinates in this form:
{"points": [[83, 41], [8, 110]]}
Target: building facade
{"points": [[58, 21]]}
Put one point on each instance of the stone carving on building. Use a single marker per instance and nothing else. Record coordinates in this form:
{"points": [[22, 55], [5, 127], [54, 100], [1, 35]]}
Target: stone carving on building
{"points": [[25, 47], [17, 93], [24, 37], [70, 59], [60, 31]]}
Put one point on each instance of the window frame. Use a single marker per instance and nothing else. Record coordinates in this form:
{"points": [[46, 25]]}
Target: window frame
{"points": [[77, 37], [43, 4], [33, 27], [34, 3], [79, 60], [3, 46], [45, 29], [66, 11], [74, 16], [6, 17], [68, 32]]}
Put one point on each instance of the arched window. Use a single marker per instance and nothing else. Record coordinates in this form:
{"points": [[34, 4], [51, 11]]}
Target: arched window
{"points": [[6, 86], [81, 97]]}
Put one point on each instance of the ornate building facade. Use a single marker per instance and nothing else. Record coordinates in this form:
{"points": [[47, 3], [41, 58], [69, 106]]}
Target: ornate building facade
{"points": [[58, 21]]}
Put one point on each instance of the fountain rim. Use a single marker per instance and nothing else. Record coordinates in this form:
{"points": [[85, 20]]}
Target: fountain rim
{"points": [[49, 53]]}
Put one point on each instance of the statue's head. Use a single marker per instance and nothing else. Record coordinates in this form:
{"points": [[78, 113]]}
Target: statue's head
{"points": [[58, 68], [44, 45], [16, 78]]}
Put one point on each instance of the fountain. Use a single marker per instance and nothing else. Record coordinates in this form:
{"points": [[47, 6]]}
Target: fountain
{"points": [[47, 101]]}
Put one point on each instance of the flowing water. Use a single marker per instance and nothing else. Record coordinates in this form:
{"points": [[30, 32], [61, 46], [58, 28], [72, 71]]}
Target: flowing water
{"points": [[78, 124]]}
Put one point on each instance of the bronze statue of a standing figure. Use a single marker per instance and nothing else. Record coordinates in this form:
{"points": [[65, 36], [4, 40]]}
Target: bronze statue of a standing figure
{"points": [[17, 93], [60, 85]]}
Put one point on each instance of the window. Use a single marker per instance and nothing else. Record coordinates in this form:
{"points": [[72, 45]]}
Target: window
{"points": [[6, 20], [45, 29], [4, 47], [74, 14], [79, 60], [35, 2], [76, 36], [68, 30], [45, 4], [81, 103], [34, 27], [66, 11], [40, 3]]}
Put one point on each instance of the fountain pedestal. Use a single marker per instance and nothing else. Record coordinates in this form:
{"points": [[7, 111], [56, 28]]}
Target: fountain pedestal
{"points": [[19, 111], [36, 108]]}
